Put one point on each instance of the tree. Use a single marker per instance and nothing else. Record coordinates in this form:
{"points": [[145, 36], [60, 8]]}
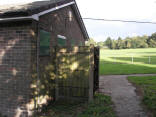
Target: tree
{"points": [[113, 44], [91, 41], [100, 44], [153, 36], [128, 42], [152, 40], [119, 44], [108, 42], [133, 43], [152, 43]]}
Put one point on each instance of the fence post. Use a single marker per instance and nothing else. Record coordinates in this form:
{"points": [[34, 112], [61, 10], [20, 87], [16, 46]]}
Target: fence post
{"points": [[149, 60], [114, 60], [91, 72], [96, 68], [132, 59]]}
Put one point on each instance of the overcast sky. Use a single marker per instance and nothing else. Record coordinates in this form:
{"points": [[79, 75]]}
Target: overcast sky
{"points": [[142, 10]]}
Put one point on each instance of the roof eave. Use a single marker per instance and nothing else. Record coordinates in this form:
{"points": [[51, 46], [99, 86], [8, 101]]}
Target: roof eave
{"points": [[80, 21], [36, 16], [19, 18]]}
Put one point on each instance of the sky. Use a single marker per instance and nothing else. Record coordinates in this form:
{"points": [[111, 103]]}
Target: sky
{"points": [[142, 10]]}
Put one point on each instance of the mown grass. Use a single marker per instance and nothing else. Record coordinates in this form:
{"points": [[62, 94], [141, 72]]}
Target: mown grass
{"points": [[148, 87], [121, 62], [100, 107]]}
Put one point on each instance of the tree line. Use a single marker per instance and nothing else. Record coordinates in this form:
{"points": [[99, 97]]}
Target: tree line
{"points": [[127, 43]]}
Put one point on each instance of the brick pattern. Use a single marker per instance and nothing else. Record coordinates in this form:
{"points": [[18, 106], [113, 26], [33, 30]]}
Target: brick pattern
{"points": [[18, 58], [15, 55], [59, 23]]}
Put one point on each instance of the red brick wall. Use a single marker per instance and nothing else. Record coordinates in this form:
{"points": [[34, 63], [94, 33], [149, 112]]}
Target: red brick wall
{"points": [[15, 63], [18, 43], [59, 23]]}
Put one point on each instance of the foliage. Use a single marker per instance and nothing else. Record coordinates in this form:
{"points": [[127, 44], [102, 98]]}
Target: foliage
{"points": [[119, 44], [120, 61], [91, 42], [100, 44], [152, 43], [108, 42], [100, 107], [148, 85], [71, 71], [129, 42], [126, 43]]}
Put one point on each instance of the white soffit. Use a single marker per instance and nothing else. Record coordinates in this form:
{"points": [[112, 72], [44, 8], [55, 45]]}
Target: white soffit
{"points": [[36, 16]]}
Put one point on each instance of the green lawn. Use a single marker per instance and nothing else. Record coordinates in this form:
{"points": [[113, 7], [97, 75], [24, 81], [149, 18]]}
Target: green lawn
{"points": [[100, 107], [148, 87], [128, 61]]}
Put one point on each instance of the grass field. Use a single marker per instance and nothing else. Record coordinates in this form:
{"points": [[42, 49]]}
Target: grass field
{"points": [[148, 87], [100, 107], [128, 61]]}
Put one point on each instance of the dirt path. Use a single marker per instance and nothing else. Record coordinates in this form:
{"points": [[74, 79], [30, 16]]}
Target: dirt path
{"points": [[127, 102]]}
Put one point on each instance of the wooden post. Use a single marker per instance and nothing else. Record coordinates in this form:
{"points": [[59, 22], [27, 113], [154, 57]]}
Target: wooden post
{"points": [[115, 60], [132, 59], [91, 73], [149, 60]]}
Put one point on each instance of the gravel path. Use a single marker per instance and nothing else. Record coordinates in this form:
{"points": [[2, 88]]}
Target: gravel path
{"points": [[127, 102]]}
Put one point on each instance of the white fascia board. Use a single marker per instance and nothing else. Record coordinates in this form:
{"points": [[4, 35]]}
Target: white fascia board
{"points": [[15, 18], [54, 9], [36, 16]]}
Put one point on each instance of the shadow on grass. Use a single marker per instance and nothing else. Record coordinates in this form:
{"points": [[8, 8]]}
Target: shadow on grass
{"points": [[100, 107], [60, 108]]}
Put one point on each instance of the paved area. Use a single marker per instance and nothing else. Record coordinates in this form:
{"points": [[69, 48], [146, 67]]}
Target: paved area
{"points": [[126, 101]]}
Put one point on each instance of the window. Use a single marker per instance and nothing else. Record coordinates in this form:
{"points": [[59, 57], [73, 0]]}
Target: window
{"points": [[81, 44], [61, 40], [73, 42], [44, 43]]}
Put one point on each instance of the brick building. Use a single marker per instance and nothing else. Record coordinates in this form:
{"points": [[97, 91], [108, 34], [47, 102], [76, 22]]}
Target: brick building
{"points": [[27, 33]]}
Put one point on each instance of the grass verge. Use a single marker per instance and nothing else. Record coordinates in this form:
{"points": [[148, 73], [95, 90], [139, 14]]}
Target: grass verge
{"points": [[148, 87], [124, 69], [100, 107], [128, 61]]}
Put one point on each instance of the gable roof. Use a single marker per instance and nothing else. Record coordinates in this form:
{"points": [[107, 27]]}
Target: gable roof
{"points": [[35, 9], [27, 9]]}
